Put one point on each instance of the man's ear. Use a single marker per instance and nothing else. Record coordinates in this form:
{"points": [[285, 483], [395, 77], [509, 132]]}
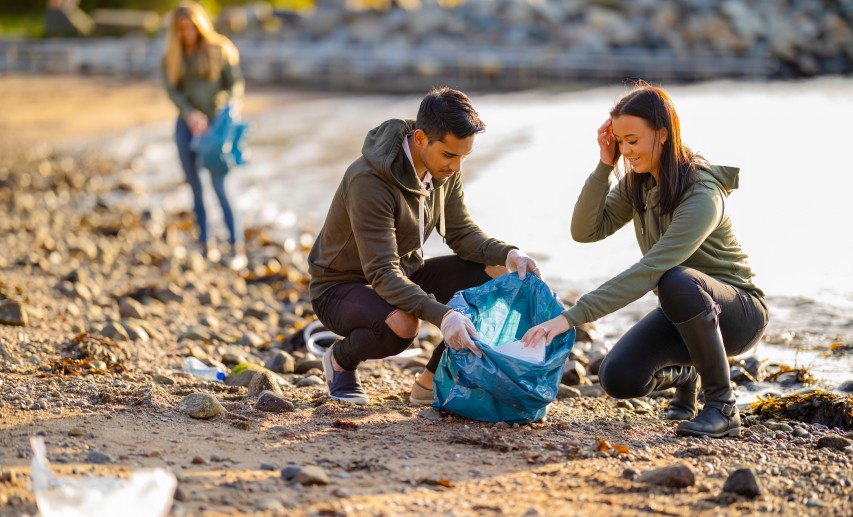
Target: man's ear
{"points": [[420, 138]]}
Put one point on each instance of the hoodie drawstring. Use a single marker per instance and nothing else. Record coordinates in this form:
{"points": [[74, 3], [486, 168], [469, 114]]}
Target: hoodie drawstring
{"points": [[421, 216]]}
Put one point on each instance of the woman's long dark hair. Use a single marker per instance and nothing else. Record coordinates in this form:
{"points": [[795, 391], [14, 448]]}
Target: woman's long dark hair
{"points": [[677, 171]]}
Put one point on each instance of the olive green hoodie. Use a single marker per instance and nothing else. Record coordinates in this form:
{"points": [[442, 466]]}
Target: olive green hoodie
{"points": [[372, 233], [698, 234], [195, 91]]}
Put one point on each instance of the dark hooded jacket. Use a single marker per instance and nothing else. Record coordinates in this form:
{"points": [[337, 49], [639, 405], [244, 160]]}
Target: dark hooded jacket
{"points": [[698, 234], [371, 234]]}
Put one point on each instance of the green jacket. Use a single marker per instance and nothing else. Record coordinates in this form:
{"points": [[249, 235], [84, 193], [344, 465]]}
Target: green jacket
{"points": [[371, 233], [698, 235], [194, 91]]}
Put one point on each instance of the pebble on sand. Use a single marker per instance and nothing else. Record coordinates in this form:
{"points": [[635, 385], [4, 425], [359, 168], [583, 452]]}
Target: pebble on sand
{"points": [[200, 405]]}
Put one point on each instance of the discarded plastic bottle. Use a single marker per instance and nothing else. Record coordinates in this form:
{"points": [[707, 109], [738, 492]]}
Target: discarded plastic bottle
{"points": [[202, 371]]}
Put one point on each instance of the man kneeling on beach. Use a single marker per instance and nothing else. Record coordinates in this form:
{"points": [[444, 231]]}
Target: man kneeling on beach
{"points": [[369, 280]]}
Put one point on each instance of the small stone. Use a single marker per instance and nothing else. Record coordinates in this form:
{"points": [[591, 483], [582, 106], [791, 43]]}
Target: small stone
{"points": [[270, 402], [761, 430], [98, 457], [304, 365], [200, 405], [281, 362], [273, 506], [77, 431], [289, 472], [779, 426], [430, 413], [625, 404], [834, 441], [164, 380], [591, 391], [196, 333], [675, 476], [799, 432], [115, 331], [573, 374], [263, 381], [311, 475], [198, 460], [630, 473], [12, 313], [311, 380], [568, 392], [742, 482], [130, 308], [846, 387], [269, 466]]}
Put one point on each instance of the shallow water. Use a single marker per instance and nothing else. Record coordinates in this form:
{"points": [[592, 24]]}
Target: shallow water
{"points": [[527, 168]]}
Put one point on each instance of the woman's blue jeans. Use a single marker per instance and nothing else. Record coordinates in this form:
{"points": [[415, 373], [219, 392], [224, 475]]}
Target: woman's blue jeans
{"points": [[183, 137]]}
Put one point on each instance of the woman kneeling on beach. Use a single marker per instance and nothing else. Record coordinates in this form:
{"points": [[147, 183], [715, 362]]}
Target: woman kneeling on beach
{"points": [[709, 308]]}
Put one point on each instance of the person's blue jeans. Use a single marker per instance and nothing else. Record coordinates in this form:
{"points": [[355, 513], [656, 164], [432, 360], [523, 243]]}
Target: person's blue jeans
{"points": [[183, 137]]}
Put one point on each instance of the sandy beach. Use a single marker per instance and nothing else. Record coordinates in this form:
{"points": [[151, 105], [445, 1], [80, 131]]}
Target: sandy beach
{"points": [[102, 299]]}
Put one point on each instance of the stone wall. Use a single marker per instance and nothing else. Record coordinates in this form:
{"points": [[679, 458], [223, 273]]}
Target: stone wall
{"points": [[499, 44]]}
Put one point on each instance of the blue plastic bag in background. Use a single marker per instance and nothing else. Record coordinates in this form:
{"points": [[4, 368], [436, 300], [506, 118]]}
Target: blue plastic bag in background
{"points": [[223, 146], [497, 387]]}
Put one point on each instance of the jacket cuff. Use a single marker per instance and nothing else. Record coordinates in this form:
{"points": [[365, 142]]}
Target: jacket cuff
{"points": [[602, 170], [573, 315], [434, 312]]}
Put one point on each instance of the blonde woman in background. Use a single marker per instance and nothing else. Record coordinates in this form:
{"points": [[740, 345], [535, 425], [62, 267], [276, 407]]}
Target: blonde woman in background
{"points": [[202, 75]]}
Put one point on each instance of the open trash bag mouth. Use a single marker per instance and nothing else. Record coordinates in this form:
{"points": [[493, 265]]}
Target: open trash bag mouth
{"points": [[508, 383]]}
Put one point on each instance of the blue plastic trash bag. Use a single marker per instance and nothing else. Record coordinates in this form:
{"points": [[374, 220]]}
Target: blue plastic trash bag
{"points": [[497, 387], [223, 145]]}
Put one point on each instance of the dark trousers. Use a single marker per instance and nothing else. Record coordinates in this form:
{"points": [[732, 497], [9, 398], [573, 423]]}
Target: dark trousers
{"points": [[183, 139], [654, 343], [355, 311]]}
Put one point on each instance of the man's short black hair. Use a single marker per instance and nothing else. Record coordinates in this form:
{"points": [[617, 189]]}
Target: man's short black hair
{"points": [[445, 110]]}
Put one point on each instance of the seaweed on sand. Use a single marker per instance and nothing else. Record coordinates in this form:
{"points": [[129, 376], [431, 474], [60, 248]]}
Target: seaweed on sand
{"points": [[819, 407]]}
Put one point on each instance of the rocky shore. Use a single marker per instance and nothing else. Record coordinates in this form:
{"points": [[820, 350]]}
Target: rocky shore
{"points": [[102, 300]]}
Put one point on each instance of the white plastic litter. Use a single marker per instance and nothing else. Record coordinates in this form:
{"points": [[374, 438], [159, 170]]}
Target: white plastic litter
{"points": [[532, 354], [202, 371], [146, 493]]}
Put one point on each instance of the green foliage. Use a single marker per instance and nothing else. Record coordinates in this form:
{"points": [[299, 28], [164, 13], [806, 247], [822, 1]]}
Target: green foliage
{"points": [[21, 25]]}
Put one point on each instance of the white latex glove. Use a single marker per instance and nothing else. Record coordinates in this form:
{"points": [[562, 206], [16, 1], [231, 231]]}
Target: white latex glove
{"points": [[458, 331], [518, 261]]}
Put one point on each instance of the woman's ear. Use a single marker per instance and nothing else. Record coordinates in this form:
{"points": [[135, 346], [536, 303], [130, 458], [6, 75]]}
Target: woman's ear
{"points": [[663, 134]]}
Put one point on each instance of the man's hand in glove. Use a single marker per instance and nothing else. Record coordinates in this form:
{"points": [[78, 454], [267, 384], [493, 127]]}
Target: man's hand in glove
{"points": [[457, 331], [518, 261]]}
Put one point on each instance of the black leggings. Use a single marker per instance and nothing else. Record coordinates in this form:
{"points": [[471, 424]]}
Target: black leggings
{"points": [[654, 343], [355, 311]]}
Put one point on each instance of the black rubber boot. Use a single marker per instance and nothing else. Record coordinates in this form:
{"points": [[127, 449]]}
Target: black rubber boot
{"points": [[719, 417], [685, 380]]}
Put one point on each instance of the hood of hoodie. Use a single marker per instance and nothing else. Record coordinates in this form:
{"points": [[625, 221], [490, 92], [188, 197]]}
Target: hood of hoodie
{"points": [[724, 177], [383, 149]]}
